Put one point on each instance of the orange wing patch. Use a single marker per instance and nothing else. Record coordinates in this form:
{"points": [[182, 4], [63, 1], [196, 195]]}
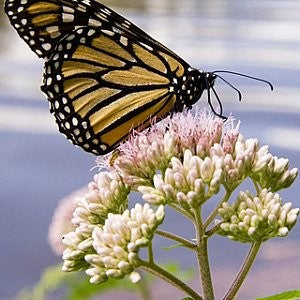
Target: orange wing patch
{"points": [[135, 76], [85, 103], [88, 54], [75, 86], [149, 58], [121, 131], [104, 43], [120, 108]]}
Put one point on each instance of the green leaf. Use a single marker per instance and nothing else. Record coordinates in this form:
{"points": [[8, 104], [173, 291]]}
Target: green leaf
{"points": [[83, 289], [290, 295], [76, 285], [52, 279], [175, 269], [175, 246]]}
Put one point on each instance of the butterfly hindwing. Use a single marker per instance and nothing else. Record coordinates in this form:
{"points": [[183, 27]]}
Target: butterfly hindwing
{"points": [[101, 84]]}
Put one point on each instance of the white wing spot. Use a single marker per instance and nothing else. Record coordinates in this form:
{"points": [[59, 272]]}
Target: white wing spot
{"points": [[103, 147], [74, 121], [95, 23], [55, 57], [76, 131], [147, 46], [67, 17], [49, 81], [108, 32], [50, 95], [124, 41], [68, 9], [67, 109], [61, 115], [46, 46], [91, 32]]}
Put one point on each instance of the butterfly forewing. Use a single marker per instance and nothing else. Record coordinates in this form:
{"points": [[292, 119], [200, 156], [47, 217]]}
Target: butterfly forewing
{"points": [[41, 24], [103, 75]]}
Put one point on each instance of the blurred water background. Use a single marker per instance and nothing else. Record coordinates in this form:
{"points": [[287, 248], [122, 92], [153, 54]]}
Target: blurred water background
{"points": [[38, 166]]}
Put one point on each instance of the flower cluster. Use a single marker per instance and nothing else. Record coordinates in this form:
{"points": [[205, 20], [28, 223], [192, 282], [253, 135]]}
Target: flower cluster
{"points": [[188, 183], [117, 243], [61, 220], [150, 151], [182, 161], [190, 161], [274, 172], [106, 194], [257, 218]]}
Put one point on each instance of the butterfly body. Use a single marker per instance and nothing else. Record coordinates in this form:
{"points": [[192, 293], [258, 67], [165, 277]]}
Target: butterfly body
{"points": [[103, 76]]}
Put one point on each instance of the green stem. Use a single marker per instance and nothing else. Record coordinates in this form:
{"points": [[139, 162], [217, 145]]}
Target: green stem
{"points": [[213, 230], [170, 278], [215, 211], [150, 253], [256, 185], [202, 256], [177, 238], [181, 210], [243, 272]]}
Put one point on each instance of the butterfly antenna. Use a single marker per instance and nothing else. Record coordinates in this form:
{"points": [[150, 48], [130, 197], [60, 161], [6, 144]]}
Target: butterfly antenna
{"points": [[247, 76], [231, 85]]}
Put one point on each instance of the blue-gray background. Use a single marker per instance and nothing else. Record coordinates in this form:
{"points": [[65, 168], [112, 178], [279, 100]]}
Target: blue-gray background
{"points": [[38, 166]]}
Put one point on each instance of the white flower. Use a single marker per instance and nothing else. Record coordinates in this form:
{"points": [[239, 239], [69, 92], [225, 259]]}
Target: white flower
{"points": [[118, 242], [257, 218]]}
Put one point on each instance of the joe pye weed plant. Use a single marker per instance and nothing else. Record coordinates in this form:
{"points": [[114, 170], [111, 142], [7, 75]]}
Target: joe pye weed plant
{"points": [[181, 162]]}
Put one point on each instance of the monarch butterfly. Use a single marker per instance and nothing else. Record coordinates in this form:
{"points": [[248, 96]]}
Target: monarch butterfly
{"points": [[104, 76]]}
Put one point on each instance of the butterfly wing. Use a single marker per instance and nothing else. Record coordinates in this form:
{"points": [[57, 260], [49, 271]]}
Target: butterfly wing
{"points": [[41, 24], [101, 84], [103, 75]]}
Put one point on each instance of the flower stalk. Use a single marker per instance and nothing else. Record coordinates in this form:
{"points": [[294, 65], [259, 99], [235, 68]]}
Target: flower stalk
{"points": [[170, 278], [182, 241], [238, 281], [202, 256]]}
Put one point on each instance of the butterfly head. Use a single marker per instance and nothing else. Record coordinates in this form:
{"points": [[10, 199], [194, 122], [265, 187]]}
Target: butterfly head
{"points": [[195, 83]]}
